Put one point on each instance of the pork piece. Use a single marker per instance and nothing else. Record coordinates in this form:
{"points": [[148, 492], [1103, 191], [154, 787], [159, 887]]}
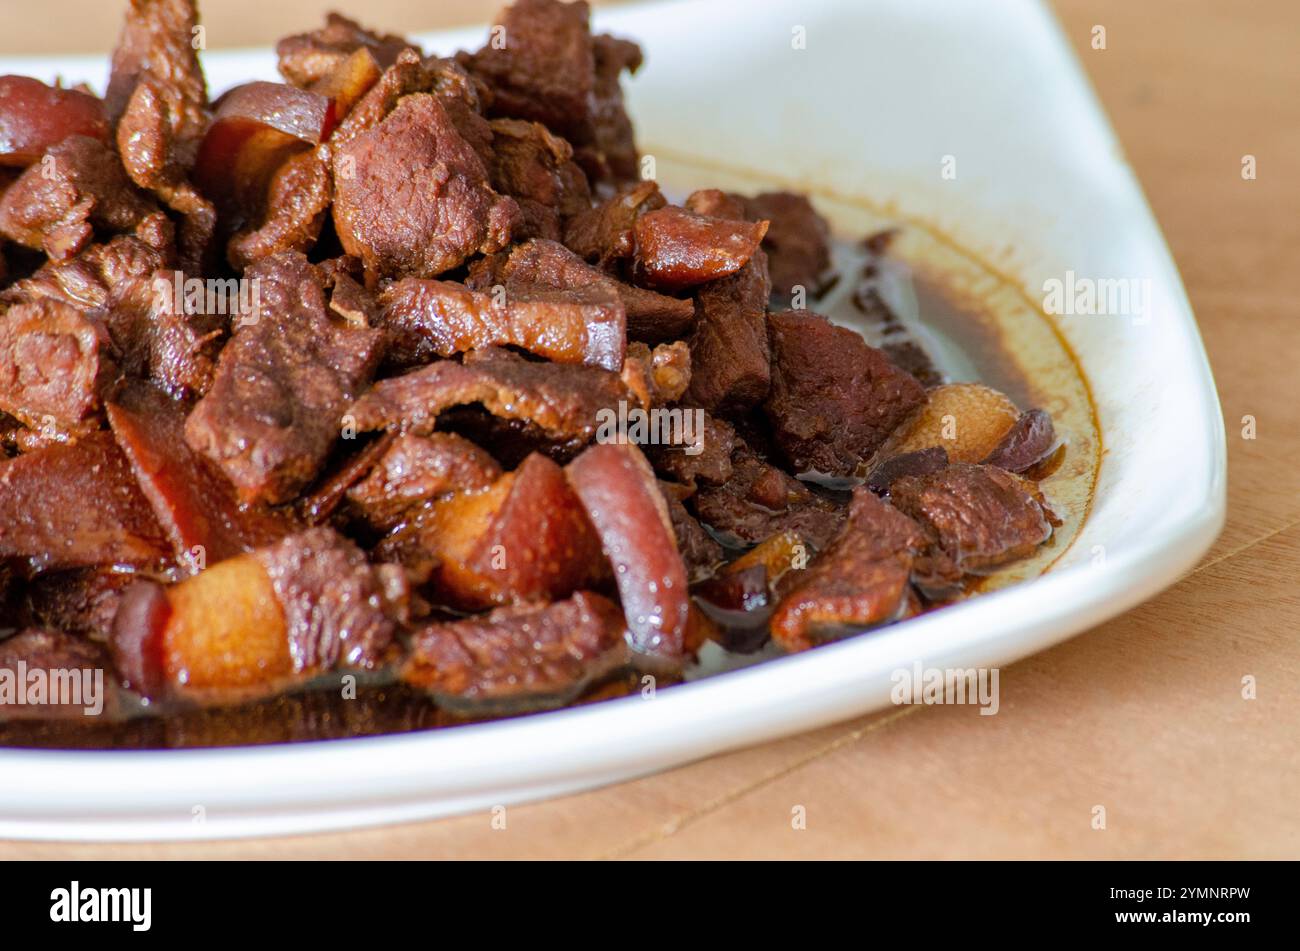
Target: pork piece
{"points": [[520, 658], [759, 500], [34, 117], [624, 502], [605, 234], [157, 99], [537, 170], [412, 195], [730, 352], [127, 285], [81, 602], [797, 242], [611, 155], [416, 469], [75, 684], [1029, 441], [710, 466], [429, 318], [57, 204], [981, 517], [700, 552], [524, 538], [660, 376], [651, 316], [254, 624], [308, 58], [834, 400], [56, 364], [76, 506], [195, 504], [676, 248], [859, 581], [561, 400], [282, 384], [296, 206], [915, 463]]}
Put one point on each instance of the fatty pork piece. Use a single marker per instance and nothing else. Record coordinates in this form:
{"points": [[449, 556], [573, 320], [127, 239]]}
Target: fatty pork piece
{"points": [[543, 64], [730, 353], [797, 242], [77, 188], [261, 622], [194, 502], [282, 384], [412, 196], [605, 235], [157, 101], [676, 248], [76, 505], [413, 470], [834, 399], [759, 500], [74, 685], [522, 537], [430, 318], [980, 517], [540, 263], [562, 401], [622, 499], [521, 658], [56, 364], [859, 581], [307, 58]]}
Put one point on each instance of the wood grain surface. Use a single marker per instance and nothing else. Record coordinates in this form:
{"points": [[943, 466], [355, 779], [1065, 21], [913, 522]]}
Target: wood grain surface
{"points": [[1143, 715]]}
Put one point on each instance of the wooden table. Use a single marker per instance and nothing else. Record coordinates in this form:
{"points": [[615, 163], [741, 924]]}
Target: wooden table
{"points": [[1143, 715]]}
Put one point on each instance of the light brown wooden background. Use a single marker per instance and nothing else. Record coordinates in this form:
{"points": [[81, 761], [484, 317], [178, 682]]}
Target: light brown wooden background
{"points": [[1143, 715]]}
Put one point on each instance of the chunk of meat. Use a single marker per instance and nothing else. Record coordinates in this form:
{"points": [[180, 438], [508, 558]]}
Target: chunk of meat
{"points": [[417, 469], [81, 602], [536, 169], [77, 187], [561, 400], [525, 538], [297, 204], [834, 400], [34, 117], [606, 233], [1028, 442], [76, 506], [797, 242], [760, 500], [676, 248], [915, 463], [730, 352], [195, 504], [518, 658], [56, 363], [73, 685], [611, 154], [623, 501], [651, 316], [861, 580], [981, 517], [257, 623], [429, 318], [308, 58], [660, 376], [157, 99], [282, 385], [711, 466], [412, 198]]}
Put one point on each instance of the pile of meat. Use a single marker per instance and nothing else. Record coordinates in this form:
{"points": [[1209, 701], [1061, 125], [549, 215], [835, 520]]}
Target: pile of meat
{"points": [[389, 462]]}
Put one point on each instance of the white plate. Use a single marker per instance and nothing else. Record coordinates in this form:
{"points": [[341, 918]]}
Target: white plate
{"points": [[881, 94]]}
